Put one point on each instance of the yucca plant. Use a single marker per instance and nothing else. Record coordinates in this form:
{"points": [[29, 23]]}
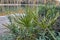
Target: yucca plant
{"points": [[32, 25]]}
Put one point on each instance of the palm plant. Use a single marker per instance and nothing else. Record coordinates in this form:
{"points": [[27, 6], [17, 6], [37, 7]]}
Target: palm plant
{"points": [[32, 25]]}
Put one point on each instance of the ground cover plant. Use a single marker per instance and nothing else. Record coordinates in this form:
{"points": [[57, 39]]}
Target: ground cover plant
{"points": [[35, 24]]}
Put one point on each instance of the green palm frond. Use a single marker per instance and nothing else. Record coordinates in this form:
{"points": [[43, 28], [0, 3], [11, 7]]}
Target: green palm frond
{"points": [[33, 23]]}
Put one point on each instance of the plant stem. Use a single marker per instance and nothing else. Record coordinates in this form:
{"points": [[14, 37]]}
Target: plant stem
{"points": [[51, 34]]}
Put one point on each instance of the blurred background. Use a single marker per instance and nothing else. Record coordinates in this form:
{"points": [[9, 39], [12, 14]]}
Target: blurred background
{"points": [[17, 6]]}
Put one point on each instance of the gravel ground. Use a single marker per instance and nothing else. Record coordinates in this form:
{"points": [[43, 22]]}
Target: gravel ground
{"points": [[3, 29]]}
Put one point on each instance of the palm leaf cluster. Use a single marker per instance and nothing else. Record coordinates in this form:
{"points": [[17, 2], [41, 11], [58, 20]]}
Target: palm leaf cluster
{"points": [[33, 24]]}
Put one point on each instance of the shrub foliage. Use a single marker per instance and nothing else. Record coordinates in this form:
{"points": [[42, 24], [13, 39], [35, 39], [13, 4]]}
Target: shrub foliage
{"points": [[36, 24]]}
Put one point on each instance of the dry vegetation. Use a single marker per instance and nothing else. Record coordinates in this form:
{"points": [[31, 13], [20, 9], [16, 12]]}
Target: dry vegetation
{"points": [[11, 12]]}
